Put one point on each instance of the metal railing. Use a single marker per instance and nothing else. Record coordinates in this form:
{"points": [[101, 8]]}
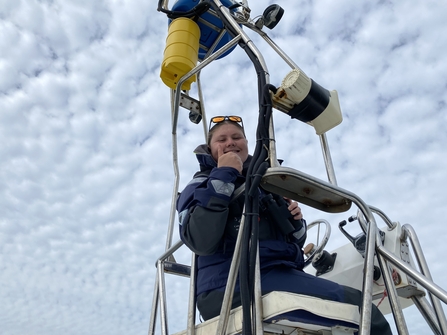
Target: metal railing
{"points": [[432, 313]]}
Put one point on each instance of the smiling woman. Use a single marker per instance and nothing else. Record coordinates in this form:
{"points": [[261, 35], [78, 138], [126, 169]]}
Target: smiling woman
{"points": [[228, 145], [210, 218]]}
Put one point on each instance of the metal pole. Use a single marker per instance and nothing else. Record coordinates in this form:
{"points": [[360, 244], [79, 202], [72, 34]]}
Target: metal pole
{"points": [[328, 159], [365, 315], [408, 230], [162, 292], [258, 312], [274, 46], [427, 312], [224, 10], [421, 279], [202, 107], [391, 225], [174, 117], [154, 309], [191, 329], [199, 67], [393, 298], [229, 289]]}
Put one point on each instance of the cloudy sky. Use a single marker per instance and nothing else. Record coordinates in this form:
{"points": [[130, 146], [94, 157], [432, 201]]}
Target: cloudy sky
{"points": [[85, 163]]}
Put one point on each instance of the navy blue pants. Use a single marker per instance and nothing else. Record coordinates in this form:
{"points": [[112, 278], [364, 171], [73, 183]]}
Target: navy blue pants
{"points": [[295, 281]]}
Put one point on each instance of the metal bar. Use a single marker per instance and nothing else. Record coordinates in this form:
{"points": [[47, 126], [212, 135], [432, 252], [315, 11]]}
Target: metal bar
{"points": [[199, 67], [372, 236], [391, 225], [154, 309], [169, 252], [160, 288], [162, 293], [159, 284], [272, 144], [422, 280], [328, 159], [191, 329], [274, 46], [249, 43], [362, 221], [393, 298], [165, 4], [216, 42], [209, 25], [229, 289], [202, 107], [258, 310], [408, 231], [174, 116], [366, 309], [427, 312], [177, 269]]}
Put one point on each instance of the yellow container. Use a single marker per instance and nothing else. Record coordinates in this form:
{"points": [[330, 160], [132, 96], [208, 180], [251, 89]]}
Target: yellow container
{"points": [[181, 52]]}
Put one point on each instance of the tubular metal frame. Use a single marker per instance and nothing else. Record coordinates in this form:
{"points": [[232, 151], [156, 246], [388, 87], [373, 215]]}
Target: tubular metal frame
{"points": [[434, 315]]}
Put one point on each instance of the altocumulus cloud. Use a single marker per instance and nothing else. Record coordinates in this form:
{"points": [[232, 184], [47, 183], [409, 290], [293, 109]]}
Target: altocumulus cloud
{"points": [[86, 169]]}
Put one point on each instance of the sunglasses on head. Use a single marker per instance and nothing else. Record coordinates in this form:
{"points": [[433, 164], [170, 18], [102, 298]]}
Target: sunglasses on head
{"points": [[233, 118]]}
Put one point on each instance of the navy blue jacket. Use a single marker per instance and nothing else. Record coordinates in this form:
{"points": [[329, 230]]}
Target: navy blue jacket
{"points": [[209, 223]]}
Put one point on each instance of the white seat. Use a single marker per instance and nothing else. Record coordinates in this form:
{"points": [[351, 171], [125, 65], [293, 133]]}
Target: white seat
{"points": [[285, 312]]}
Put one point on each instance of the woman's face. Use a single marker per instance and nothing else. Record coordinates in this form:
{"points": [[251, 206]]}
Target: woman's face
{"points": [[229, 138]]}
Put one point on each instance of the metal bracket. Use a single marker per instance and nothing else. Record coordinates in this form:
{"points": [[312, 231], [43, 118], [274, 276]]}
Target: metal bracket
{"points": [[190, 103]]}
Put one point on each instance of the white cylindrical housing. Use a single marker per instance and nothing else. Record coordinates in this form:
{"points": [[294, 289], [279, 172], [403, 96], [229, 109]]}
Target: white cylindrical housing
{"points": [[296, 85]]}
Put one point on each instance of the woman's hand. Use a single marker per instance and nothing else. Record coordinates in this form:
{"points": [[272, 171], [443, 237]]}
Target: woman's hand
{"points": [[294, 209], [230, 159]]}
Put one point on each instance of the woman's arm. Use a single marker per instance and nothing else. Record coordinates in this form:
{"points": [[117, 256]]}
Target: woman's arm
{"points": [[203, 209]]}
